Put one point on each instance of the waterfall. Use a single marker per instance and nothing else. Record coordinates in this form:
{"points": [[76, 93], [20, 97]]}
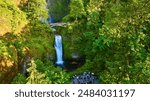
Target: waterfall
{"points": [[59, 51]]}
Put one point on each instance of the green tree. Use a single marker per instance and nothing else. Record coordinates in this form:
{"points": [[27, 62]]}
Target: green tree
{"points": [[35, 77], [12, 19], [35, 9], [58, 9], [77, 10], [114, 37]]}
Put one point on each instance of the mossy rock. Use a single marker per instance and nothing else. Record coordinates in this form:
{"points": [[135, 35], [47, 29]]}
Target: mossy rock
{"points": [[12, 19]]}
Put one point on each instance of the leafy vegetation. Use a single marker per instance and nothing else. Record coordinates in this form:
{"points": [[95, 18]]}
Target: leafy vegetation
{"points": [[40, 73], [33, 40], [57, 9], [35, 77], [12, 18], [113, 35], [19, 79]]}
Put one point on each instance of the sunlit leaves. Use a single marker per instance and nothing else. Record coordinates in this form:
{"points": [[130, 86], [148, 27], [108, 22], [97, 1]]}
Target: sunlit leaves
{"points": [[95, 5], [118, 32], [77, 10], [35, 10], [35, 77], [12, 19], [53, 75]]}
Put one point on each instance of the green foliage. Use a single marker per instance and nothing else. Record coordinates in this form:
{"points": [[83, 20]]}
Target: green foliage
{"points": [[73, 33], [54, 75], [113, 34], [40, 73], [126, 54], [40, 66], [39, 41], [77, 10], [4, 48], [58, 76], [35, 77], [35, 40], [114, 37], [88, 66], [7, 50], [19, 79], [57, 9], [12, 19], [35, 10]]}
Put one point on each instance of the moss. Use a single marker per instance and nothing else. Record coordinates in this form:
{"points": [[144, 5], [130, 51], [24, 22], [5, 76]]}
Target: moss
{"points": [[12, 18]]}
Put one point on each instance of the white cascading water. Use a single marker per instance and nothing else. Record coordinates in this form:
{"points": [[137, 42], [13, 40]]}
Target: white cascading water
{"points": [[59, 51]]}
